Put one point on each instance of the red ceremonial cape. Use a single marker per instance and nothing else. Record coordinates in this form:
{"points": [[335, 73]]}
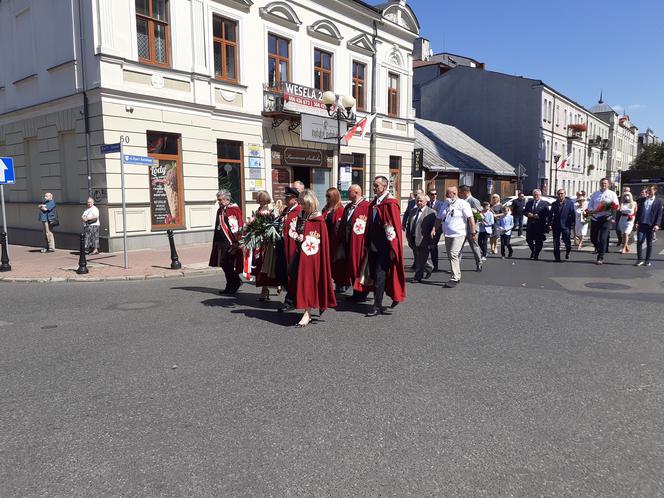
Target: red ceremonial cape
{"points": [[355, 250], [336, 238], [289, 232], [390, 217], [314, 287], [228, 230]]}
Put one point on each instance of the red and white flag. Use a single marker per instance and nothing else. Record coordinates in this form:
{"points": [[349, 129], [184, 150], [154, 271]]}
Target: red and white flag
{"points": [[361, 126], [563, 165]]}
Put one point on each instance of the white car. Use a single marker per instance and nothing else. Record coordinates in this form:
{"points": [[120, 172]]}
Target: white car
{"points": [[507, 201]]}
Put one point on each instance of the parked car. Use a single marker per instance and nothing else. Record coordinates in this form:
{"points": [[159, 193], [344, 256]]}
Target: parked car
{"points": [[507, 201]]}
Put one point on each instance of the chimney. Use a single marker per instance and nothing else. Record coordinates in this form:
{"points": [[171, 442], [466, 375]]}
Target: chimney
{"points": [[421, 50]]}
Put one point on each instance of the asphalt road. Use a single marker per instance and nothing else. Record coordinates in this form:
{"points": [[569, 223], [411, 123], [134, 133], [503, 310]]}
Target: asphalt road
{"points": [[529, 379]]}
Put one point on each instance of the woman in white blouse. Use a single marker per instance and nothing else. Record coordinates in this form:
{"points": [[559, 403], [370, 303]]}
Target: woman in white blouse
{"points": [[581, 225], [626, 222], [90, 219]]}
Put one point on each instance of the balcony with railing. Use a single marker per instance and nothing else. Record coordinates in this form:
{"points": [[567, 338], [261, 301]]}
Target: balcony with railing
{"points": [[576, 131]]}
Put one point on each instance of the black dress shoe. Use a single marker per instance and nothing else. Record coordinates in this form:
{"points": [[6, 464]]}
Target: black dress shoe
{"points": [[372, 313], [558, 260], [567, 254], [451, 284], [393, 305], [223, 291], [416, 281], [532, 255], [427, 276], [286, 307]]}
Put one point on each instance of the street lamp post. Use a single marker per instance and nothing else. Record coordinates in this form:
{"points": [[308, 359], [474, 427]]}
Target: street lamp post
{"points": [[556, 158], [343, 112]]}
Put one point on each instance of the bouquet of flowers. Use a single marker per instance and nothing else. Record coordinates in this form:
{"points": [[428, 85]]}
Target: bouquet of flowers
{"points": [[478, 216], [259, 230], [602, 207]]}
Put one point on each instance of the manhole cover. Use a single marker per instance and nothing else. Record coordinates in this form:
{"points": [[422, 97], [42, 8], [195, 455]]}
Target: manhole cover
{"points": [[139, 305], [607, 286]]}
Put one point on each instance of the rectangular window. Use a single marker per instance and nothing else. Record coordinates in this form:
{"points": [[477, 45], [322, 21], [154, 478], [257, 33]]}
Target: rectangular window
{"points": [[229, 166], [557, 115], [322, 70], [152, 32], [393, 94], [225, 44], [395, 176], [359, 82], [166, 186], [278, 60]]}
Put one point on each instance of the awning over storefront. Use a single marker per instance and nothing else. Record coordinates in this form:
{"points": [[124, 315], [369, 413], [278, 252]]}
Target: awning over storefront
{"points": [[448, 149]]}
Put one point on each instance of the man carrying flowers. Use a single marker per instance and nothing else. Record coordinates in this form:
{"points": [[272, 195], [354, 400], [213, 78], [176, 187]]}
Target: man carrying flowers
{"points": [[601, 209]]}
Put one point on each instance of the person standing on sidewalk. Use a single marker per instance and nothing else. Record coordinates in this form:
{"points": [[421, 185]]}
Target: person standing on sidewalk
{"points": [[458, 223], [648, 221], [91, 224], [601, 208], [48, 216], [476, 207], [518, 205]]}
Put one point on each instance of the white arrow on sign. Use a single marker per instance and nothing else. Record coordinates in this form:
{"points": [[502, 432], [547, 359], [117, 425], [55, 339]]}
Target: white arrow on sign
{"points": [[3, 168]]}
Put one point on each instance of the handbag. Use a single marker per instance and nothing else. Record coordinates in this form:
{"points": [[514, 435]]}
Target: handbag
{"points": [[54, 222], [365, 273]]}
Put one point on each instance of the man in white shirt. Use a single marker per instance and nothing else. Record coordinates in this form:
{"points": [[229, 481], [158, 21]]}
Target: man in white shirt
{"points": [[602, 206], [457, 224], [91, 224]]}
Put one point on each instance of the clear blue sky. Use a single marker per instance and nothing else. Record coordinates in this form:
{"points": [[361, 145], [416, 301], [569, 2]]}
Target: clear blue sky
{"points": [[577, 47]]}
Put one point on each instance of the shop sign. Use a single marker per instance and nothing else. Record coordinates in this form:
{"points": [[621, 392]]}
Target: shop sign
{"points": [[302, 99], [418, 161], [293, 156], [322, 130], [346, 159]]}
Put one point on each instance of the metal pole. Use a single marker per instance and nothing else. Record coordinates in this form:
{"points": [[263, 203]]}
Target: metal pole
{"points": [[4, 214], [338, 149], [82, 262], [124, 204]]}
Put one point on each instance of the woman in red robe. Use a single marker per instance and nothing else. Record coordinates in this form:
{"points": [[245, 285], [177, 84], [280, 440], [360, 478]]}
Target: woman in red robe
{"points": [[265, 277], [333, 213], [314, 287]]}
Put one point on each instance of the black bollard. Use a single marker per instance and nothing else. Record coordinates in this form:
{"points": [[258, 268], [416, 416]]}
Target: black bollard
{"points": [[4, 261], [175, 262], [82, 263]]}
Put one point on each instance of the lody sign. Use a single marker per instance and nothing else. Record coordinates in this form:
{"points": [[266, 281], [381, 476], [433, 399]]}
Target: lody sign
{"points": [[322, 129]]}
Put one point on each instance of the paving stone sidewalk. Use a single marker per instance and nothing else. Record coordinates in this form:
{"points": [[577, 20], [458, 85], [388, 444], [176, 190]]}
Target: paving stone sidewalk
{"points": [[30, 265]]}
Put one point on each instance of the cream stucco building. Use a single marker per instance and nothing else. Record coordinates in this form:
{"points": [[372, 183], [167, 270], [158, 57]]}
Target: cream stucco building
{"points": [[218, 93]]}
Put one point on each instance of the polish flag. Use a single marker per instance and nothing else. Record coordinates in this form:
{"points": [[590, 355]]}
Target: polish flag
{"points": [[361, 127], [563, 165]]}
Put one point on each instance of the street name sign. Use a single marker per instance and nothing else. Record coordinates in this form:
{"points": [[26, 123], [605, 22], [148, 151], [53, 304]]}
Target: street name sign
{"points": [[7, 170], [110, 148], [144, 160]]}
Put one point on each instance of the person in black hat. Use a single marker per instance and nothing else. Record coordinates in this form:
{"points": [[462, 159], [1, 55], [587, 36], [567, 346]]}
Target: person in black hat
{"points": [[290, 217]]}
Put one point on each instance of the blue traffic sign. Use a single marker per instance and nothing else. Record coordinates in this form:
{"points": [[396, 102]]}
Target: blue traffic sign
{"points": [[7, 170], [129, 159], [110, 148]]}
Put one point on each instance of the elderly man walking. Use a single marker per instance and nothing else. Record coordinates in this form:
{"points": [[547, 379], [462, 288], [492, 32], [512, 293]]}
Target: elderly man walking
{"points": [[476, 207], [458, 223], [421, 233]]}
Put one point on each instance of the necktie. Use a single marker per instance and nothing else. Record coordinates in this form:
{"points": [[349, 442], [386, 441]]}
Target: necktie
{"points": [[414, 227]]}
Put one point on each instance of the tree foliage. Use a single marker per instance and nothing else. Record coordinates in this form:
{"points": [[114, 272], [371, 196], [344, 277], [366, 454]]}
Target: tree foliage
{"points": [[651, 157]]}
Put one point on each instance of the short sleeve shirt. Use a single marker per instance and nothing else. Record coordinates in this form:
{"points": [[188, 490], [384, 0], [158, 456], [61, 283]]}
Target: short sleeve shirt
{"points": [[455, 217]]}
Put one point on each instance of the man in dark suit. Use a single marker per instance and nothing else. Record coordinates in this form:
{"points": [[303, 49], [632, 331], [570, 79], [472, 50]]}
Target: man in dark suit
{"points": [[434, 204], [648, 221], [421, 234], [562, 218], [537, 212], [406, 214]]}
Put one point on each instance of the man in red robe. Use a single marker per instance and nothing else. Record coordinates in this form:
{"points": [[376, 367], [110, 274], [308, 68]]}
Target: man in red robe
{"points": [[353, 233], [226, 251], [291, 216], [385, 248]]}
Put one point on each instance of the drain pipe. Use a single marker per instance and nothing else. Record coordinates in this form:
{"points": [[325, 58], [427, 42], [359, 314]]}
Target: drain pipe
{"points": [[86, 113], [374, 83]]}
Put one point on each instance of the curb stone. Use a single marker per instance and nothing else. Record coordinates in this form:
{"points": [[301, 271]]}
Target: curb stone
{"points": [[113, 278]]}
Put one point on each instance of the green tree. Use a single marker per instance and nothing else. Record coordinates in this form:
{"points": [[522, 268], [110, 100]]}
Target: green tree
{"points": [[651, 157]]}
